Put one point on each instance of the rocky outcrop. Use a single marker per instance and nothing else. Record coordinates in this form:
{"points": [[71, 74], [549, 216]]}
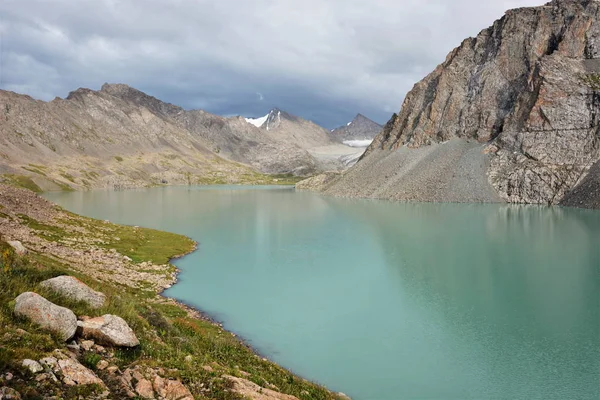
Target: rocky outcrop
{"points": [[48, 315], [74, 289], [525, 88], [109, 330]]}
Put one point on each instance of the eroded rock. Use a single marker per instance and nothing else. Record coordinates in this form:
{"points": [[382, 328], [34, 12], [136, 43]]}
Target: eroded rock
{"points": [[46, 314], [109, 330], [74, 289], [7, 393]]}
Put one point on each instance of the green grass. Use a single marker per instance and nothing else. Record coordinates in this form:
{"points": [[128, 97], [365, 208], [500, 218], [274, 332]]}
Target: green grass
{"points": [[22, 182], [34, 170], [592, 80]]}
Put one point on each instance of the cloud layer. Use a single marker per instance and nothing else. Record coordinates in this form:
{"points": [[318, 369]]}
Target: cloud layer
{"points": [[322, 60]]}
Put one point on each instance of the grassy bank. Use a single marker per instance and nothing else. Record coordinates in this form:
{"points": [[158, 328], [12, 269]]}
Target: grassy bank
{"points": [[194, 350]]}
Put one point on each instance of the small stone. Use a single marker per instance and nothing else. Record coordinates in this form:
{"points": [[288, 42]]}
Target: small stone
{"points": [[87, 344], [98, 349], [18, 247], [32, 366], [207, 368], [143, 388], [112, 369], [343, 396], [42, 377], [189, 359], [76, 374], [8, 376], [102, 365]]}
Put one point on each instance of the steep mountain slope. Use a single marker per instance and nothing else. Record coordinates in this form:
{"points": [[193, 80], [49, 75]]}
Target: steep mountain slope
{"points": [[120, 137], [524, 93], [360, 128]]}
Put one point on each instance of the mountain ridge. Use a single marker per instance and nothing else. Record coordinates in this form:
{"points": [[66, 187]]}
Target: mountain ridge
{"points": [[520, 93]]}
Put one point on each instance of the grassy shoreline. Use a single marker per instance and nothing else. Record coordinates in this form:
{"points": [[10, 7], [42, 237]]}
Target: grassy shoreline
{"points": [[132, 271]]}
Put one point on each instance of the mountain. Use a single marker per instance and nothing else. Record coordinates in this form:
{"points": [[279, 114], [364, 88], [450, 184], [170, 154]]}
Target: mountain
{"points": [[360, 131], [511, 115], [120, 137], [279, 125]]}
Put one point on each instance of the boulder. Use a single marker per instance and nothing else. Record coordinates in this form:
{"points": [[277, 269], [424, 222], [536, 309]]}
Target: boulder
{"points": [[32, 366], [18, 247], [48, 315], [108, 330], [74, 289]]}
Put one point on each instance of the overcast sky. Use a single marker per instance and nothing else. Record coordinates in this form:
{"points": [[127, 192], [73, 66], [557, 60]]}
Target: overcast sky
{"points": [[324, 60]]}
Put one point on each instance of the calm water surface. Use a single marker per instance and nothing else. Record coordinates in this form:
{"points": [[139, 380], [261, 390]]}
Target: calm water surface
{"points": [[389, 301]]}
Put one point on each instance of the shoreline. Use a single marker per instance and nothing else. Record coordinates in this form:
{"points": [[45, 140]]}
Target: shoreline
{"points": [[123, 262]]}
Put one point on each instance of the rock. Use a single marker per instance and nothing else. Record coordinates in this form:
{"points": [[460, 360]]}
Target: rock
{"points": [[102, 365], [48, 315], [18, 247], [251, 390], [109, 330], [143, 388], [207, 368], [32, 366], [112, 369], [171, 389], [73, 373], [86, 344], [7, 393], [74, 289], [188, 359], [523, 86], [343, 396]]}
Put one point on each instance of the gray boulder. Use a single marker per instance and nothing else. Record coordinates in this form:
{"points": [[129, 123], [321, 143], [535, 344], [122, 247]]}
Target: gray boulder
{"points": [[48, 315], [74, 289], [108, 330], [18, 247]]}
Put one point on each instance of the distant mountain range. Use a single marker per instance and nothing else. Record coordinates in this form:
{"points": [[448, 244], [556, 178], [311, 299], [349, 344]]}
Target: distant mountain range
{"points": [[121, 137]]}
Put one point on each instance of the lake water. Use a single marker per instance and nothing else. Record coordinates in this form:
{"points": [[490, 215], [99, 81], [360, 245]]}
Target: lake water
{"points": [[383, 300]]}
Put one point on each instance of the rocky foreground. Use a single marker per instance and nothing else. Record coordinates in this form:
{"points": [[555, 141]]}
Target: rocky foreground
{"points": [[81, 318], [512, 115]]}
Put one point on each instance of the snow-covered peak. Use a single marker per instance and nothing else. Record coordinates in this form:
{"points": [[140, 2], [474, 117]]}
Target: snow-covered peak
{"points": [[258, 122]]}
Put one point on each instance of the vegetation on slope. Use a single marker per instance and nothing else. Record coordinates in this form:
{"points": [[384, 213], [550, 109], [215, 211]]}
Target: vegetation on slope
{"points": [[194, 350]]}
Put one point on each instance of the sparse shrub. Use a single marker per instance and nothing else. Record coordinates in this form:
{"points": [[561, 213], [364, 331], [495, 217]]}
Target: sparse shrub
{"points": [[119, 158]]}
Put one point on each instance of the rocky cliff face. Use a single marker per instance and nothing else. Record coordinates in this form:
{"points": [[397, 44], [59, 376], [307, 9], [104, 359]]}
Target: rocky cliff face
{"points": [[526, 90]]}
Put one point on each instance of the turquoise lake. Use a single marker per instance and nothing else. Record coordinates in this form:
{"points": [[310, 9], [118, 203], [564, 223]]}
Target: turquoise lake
{"points": [[388, 301]]}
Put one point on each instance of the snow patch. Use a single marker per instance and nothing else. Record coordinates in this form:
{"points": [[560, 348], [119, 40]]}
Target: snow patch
{"points": [[358, 143], [258, 122], [349, 123]]}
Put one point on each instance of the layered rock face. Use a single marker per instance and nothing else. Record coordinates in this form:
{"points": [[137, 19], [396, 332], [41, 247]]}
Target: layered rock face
{"points": [[526, 90]]}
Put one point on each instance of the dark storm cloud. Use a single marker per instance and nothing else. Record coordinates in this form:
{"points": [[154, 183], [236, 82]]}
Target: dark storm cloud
{"points": [[323, 60]]}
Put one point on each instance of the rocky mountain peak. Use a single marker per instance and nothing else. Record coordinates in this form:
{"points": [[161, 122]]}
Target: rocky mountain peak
{"points": [[360, 128]]}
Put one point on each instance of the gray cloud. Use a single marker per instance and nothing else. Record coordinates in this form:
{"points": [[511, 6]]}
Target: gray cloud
{"points": [[323, 60]]}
